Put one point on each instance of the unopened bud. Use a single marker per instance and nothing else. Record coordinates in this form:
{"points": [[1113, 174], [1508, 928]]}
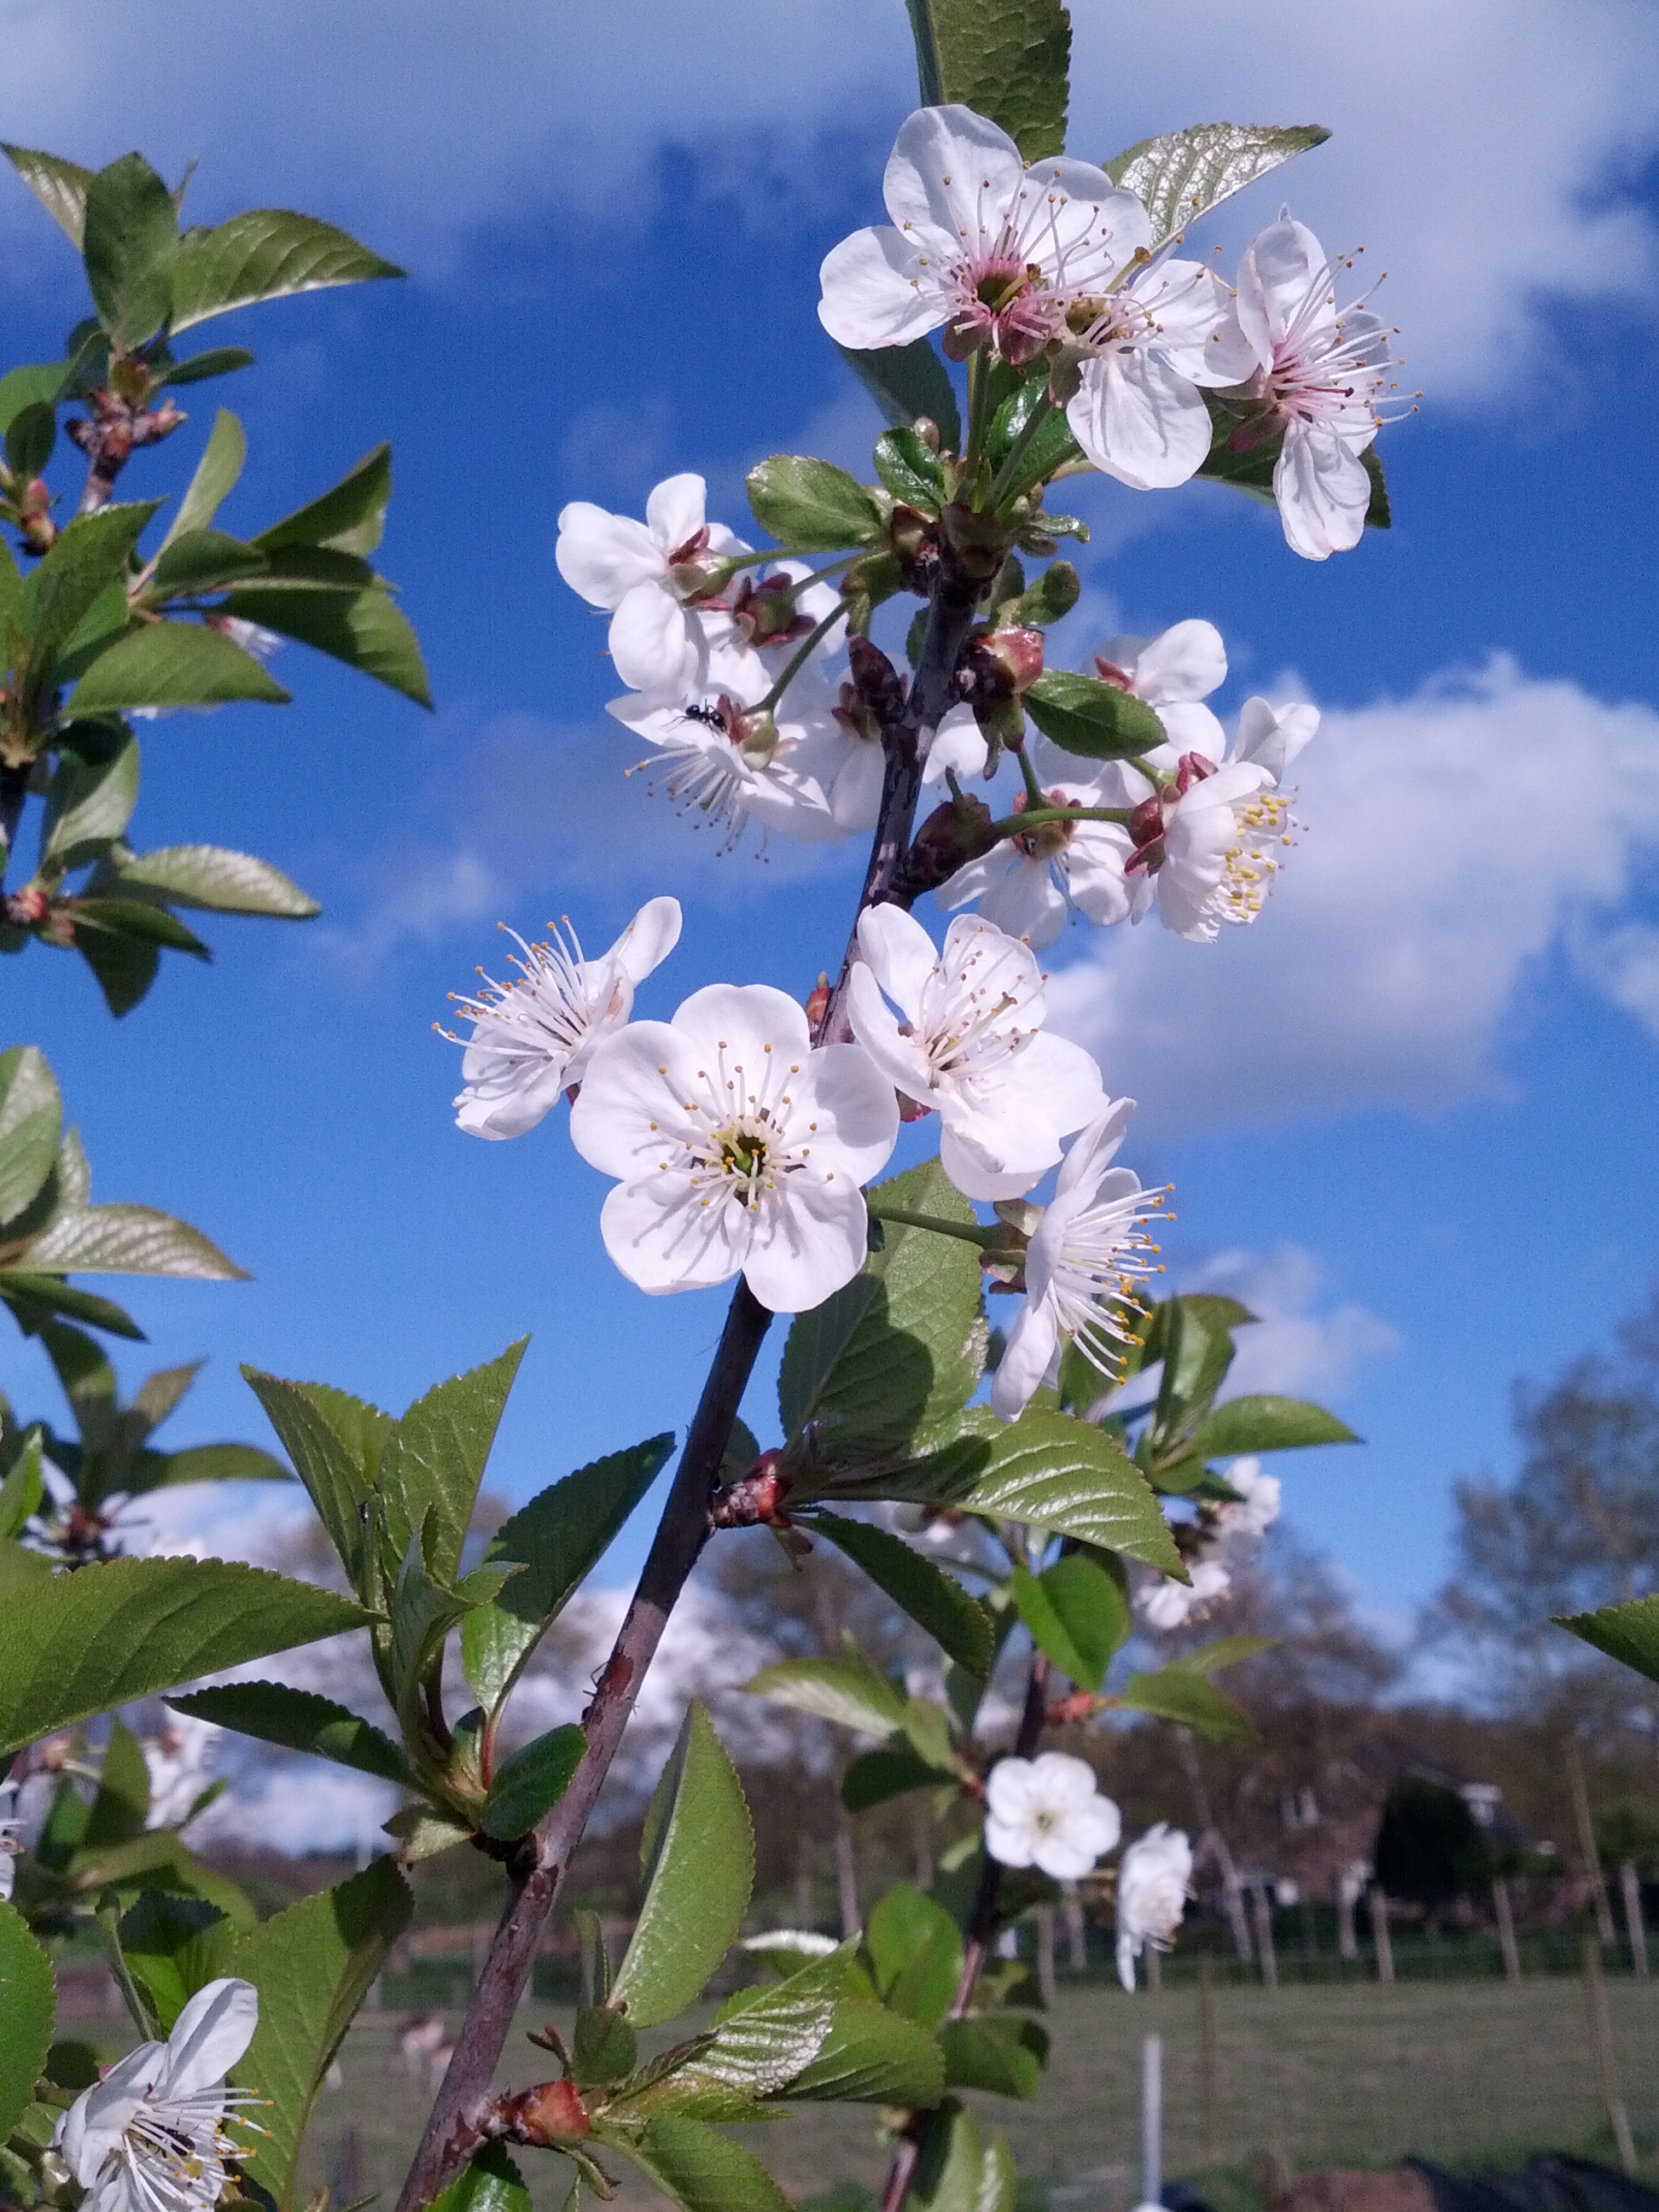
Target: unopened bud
{"points": [[129, 378], [756, 1498], [818, 1003], [952, 835], [754, 731], [24, 910], [1000, 664], [914, 539], [880, 686], [980, 541], [550, 2114], [928, 431], [766, 612]]}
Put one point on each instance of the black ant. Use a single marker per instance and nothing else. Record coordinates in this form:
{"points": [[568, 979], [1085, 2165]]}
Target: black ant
{"points": [[710, 717]]}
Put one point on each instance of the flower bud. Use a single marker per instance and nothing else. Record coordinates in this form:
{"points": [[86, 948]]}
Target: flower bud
{"points": [[754, 731], [1000, 664], [546, 2116], [928, 431], [880, 687], [765, 612], [980, 541], [952, 835]]}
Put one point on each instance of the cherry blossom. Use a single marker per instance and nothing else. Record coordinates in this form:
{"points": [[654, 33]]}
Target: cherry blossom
{"points": [[1260, 1494], [1166, 1605], [1089, 1251], [1319, 374], [737, 1145], [150, 2136], [971, 1045], [1151, 1894], [981, 244], [1046, 1813], [1271, 737], [1028, 884], [1147, 344], [532, 1036], [651, 574], [180, 1763]]}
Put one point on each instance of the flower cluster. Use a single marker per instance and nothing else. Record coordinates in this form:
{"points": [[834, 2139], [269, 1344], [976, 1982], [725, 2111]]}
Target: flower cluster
{"points": [[1151, 1895], [1215, 1543]]}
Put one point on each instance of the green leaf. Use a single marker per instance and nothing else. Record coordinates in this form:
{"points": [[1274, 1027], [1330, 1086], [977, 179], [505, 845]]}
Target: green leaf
{"points": [[762, 2041], [1176, 1693], [849, 1691], [27, 2007], [702, 1849], [910, 470], [90, 554], [299, 1721], [703, 2169], [201, 559], [130, 1240], [129, 240], [60, 186], [433, 1461], [1196, 1346], [147, 920], [907, 382], [1261, 1424], [88, 806], [174, 664], [222, 881], [266, 254], [1629, 1633], [1083, 715], [1181, 176], [351, 517], [997, 2051], [605, 2047], [875, 1776], [1077, 1613], [531, 1782], [312, 1965], [21, 389], [216, 476], [82, 1644], [901, 1347], [955, 2172], [935, 1601], [30, 436], [217, 360], [172, 1947], [366, 629], [489, 2183], [124, 967], [22, 1492], [558, 1537], [31, 1118], [335, 1443], [1225, 1651], [874, 2057], [916, 1950], [35, 1298], [1006, 59], [812, 507], [121, 1805]]}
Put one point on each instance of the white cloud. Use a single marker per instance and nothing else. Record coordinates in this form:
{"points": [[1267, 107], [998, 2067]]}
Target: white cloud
{"points": [[1299, 1347], [1487, 148], [1456, 837]]}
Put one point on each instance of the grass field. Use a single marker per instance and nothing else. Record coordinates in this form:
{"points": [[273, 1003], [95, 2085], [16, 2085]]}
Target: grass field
{"points": [[1464, 2073]]}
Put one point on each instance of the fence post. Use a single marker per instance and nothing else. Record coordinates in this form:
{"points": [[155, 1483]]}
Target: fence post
{"points": [[846, 1877], [1506, 1942], [1347, 1890], [1264, 1936], [1379, 1911], [1635, 1928], [1077, 1939], [1602, 2036], [1045, 1953], [1154, 1961], [1209, 2068], [1587, 1851], [1151, 2120]]}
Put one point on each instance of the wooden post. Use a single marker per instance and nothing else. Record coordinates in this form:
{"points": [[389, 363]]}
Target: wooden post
{"points": [[1505, 1918], [1076, 1935], [1209, 2069], [806, 1914], [1154, 1959], [1348, 1891], [1601, 2035], [1152, 2119], [847, 1878], [1264, 1937], [1379, 1910], [1587, 1852], [1045, 1949], [1635, 1928]]}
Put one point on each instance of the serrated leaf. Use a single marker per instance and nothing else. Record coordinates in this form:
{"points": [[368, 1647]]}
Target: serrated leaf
{"points": [[703, 2169], [129, 240], [172, 1947], [757, 2051], [907, 382], [490, 2182], [910, 470], [121, 1805], [432, 1461], [875, 1776], [59, 185], [129, 1240], [31, 1119], [153, 1470], [335, 1443], [1262, 1423], [90, 554], [997, 2051], [1083, 715], [82, 1644], [848, 1691], [350, 518], [266, 254], [934, 1600], [702, 1873], [1629, 1633], [222, 881], [147, 920], [28, 2000], [312, 1965], [1177, 1693], [22, 1492], [530, 1783], [1182, 175], [811, 506], [873, 2056], [217, 360], [367, 629], [216, 476], [89, 806], [558, 1538], [174, 664], [916, 1949], [1006, 59], [299, 1721], [1076, 1613], [200, 560]]}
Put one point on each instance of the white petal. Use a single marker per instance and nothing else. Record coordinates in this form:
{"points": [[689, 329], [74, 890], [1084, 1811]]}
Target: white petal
{"points": [[1289, 282], [676, 511], [1139, 420], [1025, 1358], [641, 1076], [510, 1105], [1009, 1842], [1095, 1148], [648, 939], [1010, 1793], [1323, 491], [855, 800], [743, 1021], [1095, 862], [871, 296], [901, 955], [664, 1239], [1025, 903], [1271, 736], [900, 1059], [1062, 1078], [603, 556], [992, 1154], [952, 170], [1187, 661], [210, 2036], [650, 646], [1192, 729], [97, 2120], [1126, 1949], [958, 744], [1192, 310], [851, 1091], [806, 1245]]}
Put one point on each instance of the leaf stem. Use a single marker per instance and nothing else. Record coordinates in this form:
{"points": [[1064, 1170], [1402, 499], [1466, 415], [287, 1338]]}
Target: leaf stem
{"points": [[1034, 818], [979, 406], [1034, 790], [904, 1216], [798, 659], [1039, 415]]}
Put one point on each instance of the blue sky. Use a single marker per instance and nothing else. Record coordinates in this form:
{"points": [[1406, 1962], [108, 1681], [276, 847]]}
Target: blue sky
{"points": [[1408, 1114]]}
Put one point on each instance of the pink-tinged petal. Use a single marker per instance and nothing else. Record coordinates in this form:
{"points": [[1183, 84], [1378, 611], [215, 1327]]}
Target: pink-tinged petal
{"points": [[635, 1098], [482, 1111], [1031, 1345], [1087, 239], [958, 744], [651, 648], [648, 939], [900, 1059], [1187, 661], [858, 1102], [677, 510], [1323, 491], [1093, 1152], [210, 2037], [1271, 736], [1138, 420], [660, 1236], [1229, 355], [901, 954], [802, 1252], [953, 171], [873, 294], [603, 556]]}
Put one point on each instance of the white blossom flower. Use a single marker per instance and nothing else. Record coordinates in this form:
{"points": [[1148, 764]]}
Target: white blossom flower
{"points": [[981, 244], [737, 1144], [150, 2137], [1319, 374], [179, 1762], [1151, 1894], [11, 1840], [532, 1036], [1270, 738], [959, 744], [1260, 1495], [1174, 673], [1046, 1813], [1089, 1250], [1028, 884], [971, 1045], [1148, 341], [647, 573], [1166, 1605]]}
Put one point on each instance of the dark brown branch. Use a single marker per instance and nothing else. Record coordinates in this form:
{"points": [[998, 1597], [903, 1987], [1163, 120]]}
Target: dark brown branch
{"points": [[536, 1877], [14, 790], [112, 432]]}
